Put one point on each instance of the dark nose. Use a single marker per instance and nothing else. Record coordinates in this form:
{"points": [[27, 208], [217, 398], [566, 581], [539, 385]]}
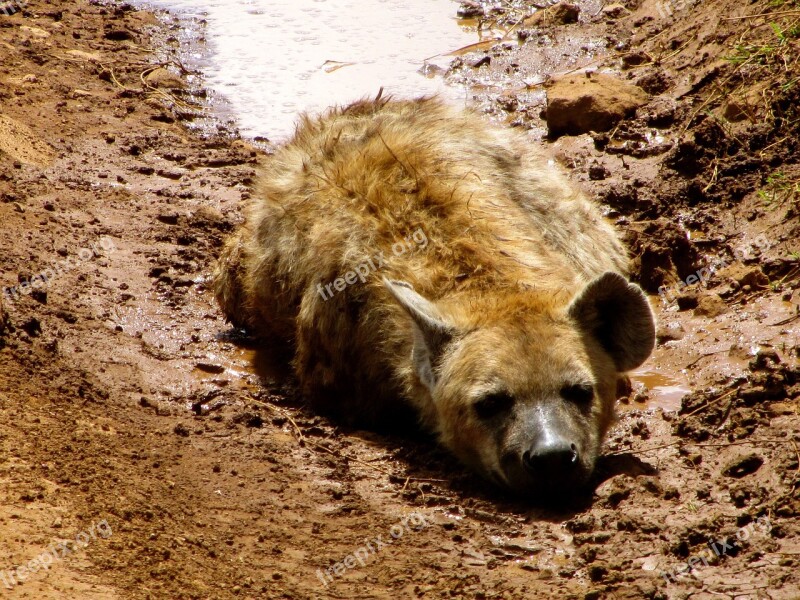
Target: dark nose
{"points": [[556, 457]]}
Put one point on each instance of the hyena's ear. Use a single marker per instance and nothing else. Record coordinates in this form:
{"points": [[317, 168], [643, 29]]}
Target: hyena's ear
{"points": [[618, 315], [432, 332]]}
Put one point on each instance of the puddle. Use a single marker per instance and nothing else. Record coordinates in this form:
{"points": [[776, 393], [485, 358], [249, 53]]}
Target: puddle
{"points": [[272, 59], [664, 392]]}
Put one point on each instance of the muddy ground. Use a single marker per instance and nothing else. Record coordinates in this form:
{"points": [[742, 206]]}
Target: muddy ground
{"points": [[145, 456]]}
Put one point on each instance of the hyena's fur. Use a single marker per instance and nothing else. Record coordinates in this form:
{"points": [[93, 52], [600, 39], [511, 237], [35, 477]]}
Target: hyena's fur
{"points": [[490, 297]]}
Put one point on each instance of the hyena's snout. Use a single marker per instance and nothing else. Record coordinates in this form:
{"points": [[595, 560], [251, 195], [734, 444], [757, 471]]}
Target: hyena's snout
{"points": [[550, 450], [553, 458]]}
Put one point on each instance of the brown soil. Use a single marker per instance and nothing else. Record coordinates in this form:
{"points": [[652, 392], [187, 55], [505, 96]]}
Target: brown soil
{"points": [[128, 407]]}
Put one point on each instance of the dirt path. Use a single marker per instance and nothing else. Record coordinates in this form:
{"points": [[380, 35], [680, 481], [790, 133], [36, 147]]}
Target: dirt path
{"points": [[143, 456]]}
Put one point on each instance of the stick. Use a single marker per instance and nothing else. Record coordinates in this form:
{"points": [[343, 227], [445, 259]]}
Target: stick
{"points": [[766, 14]]}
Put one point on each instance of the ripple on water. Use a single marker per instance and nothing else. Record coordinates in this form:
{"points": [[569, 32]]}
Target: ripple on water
{"points": [[267, 57]]}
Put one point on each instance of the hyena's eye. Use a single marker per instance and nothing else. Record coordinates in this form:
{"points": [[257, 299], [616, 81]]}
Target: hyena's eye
{"points": [[494, 404], [581, 393]]}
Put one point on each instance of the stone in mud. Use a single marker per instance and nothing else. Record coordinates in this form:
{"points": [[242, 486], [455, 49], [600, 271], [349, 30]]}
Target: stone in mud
{"points": [[162, 78], [634, 59], [687, 300], [710, 306], [598, 172], [562, 13], [587, 102], [614, 10], [667, 332], [744, 275], [470, 10]]}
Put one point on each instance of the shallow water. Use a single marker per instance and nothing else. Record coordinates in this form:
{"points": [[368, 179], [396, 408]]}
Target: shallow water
{"points": [[272, 59], [664, 390]]}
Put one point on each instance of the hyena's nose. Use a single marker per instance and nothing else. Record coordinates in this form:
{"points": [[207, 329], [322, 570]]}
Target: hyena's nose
{"points": [[556, 457]]}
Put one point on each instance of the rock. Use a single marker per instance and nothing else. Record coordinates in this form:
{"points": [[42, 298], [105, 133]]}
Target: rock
{"points": [[687, 300], [614, 11], [210, 368], [484, 61], [634, 59], [744, 275], [470, 10], [710, 306], [579, 104], [168, 218], [35, 32], [562, 13], [597, 172], [669, 332], [743, 465], [162, 78], [565, 13]]}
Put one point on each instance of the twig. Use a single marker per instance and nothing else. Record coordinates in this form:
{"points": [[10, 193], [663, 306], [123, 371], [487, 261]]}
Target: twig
{"points": [[702, 356], [705, 103], [766, 14], [710, 402], [642, 451], [786, 321], [726, 414], [713, 179], [725, 445]]}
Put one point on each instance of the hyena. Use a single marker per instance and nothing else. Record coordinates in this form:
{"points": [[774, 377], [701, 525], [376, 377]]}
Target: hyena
{"points": [[506, 333]]}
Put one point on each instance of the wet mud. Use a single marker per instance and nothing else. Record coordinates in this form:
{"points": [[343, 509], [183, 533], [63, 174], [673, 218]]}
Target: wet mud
{"points": [[148, 450]]}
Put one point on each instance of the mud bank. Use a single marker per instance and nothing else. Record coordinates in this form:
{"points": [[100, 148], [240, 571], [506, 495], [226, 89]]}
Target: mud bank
{"points": [[126, 400]]}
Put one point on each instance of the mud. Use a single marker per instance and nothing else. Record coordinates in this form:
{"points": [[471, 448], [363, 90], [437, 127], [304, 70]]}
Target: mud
{"points": [[125, 399]]}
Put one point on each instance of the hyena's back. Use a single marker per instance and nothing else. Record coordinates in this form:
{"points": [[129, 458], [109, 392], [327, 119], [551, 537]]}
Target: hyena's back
{"points": [[359, 179]]}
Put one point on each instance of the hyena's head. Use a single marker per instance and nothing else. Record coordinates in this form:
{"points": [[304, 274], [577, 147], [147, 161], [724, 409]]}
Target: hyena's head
{"points": [[521, 387]]}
